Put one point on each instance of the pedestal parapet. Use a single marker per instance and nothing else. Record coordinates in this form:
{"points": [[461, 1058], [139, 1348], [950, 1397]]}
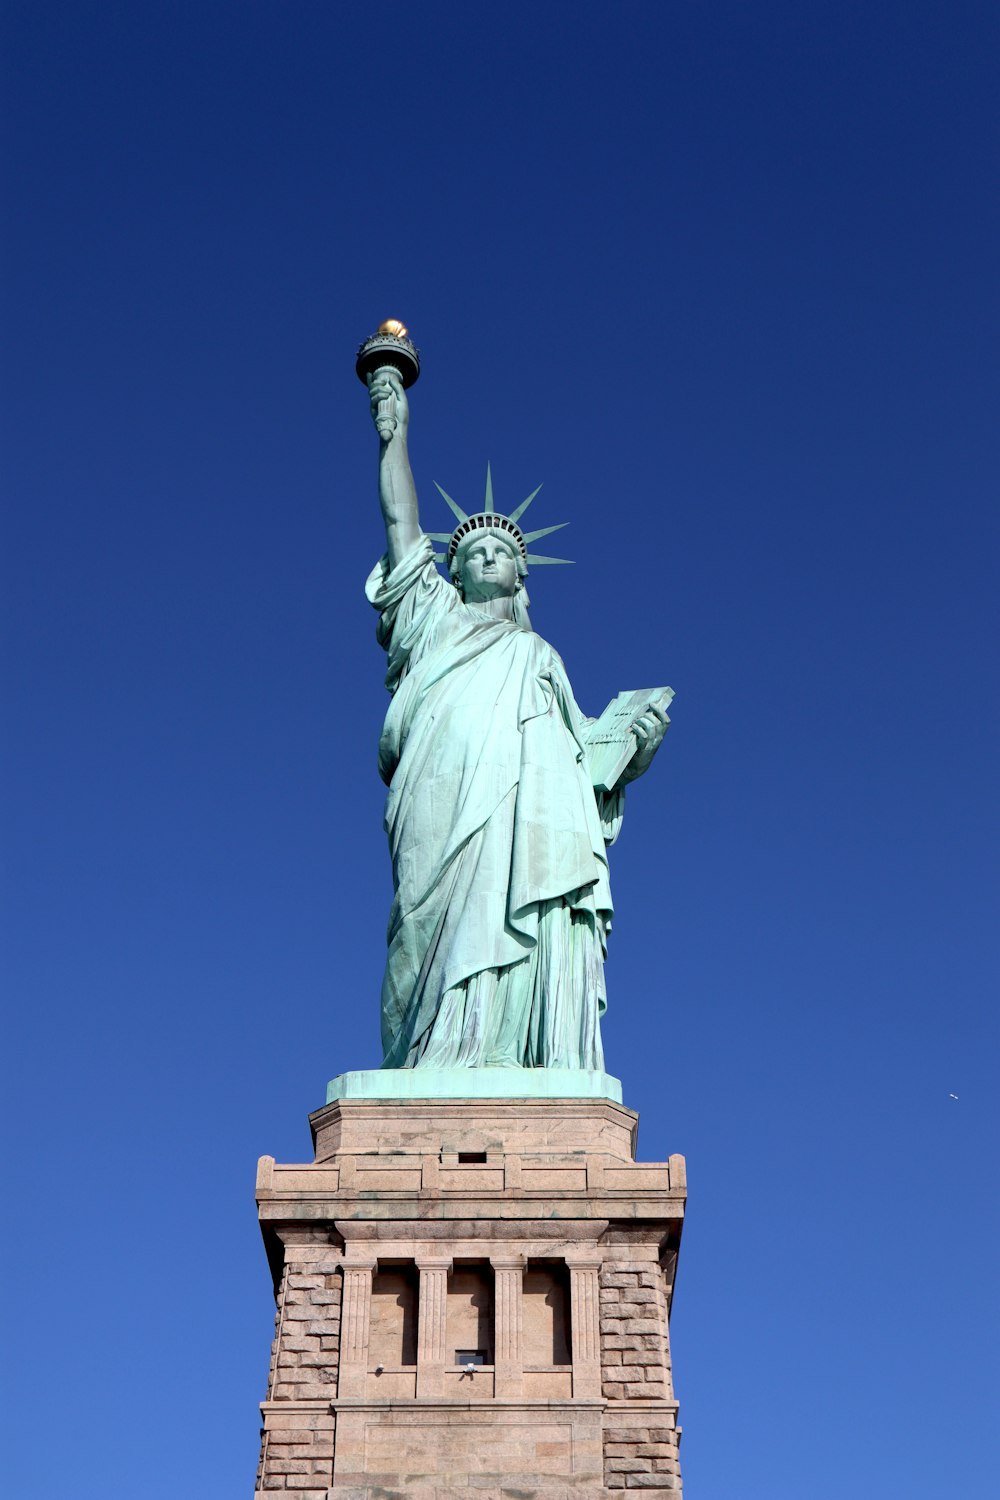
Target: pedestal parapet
{"points": [[473, 1299]]}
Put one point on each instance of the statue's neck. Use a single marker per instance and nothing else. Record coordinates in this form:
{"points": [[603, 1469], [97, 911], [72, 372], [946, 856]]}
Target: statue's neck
{"points": [[501, 608]]}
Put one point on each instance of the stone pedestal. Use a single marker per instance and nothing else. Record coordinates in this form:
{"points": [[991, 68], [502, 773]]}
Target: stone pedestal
{"points": [[473, 1303]]}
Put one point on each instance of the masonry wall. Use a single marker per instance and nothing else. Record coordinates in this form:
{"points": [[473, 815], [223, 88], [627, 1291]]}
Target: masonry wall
{"points": [[635, 1349], [297, 1441], [640, 1452], [307, 1343], [643, 1458]]}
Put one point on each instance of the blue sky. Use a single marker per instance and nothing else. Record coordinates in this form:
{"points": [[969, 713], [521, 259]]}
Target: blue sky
{"points": [[723, 276]]}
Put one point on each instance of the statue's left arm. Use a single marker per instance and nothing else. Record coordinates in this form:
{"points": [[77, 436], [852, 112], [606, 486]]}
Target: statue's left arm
{"points": [[649, 729]]}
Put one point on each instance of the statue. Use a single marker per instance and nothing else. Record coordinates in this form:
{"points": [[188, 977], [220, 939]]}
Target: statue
{"points": [[498, 827]]}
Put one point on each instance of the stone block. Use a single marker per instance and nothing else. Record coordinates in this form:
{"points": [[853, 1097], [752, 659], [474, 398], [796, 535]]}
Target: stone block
{"points": [[308, 1451], [647, 1390], [288, 1365]]}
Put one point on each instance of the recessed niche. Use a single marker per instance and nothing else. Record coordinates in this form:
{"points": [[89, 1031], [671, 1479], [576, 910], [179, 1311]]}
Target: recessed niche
{"points": [[392, 1336], [547, 1333], [470, 1308]]}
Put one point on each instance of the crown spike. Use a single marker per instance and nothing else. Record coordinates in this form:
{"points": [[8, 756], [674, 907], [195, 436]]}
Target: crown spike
{"points": [[533, 559], [533, 536], [488, 506], [516, 515], [456, 510]]}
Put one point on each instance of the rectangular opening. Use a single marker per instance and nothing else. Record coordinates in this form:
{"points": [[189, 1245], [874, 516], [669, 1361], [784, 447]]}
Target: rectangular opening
{"points": [[470, 1356], [469, 1158]]}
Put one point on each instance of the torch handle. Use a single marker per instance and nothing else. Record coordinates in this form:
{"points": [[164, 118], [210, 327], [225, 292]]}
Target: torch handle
{"points": [[385, 412]]}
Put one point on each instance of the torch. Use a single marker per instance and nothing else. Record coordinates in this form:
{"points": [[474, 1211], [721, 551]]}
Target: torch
{"points": [[388, 351]]}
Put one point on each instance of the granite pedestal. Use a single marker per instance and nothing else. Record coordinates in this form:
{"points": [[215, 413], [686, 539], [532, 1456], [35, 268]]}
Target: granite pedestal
{"points": [[473, 1302]]}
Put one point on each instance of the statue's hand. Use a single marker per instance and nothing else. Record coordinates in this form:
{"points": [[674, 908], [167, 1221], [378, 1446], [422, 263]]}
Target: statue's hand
{"points": [[649, 729], [390, 408]]}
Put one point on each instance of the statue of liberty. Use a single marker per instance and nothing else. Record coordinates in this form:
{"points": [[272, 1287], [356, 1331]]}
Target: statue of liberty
{"points": [[497, 831]]}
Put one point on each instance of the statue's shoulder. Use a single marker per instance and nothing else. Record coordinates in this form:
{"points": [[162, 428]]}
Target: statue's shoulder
{"points": [[387, 586]]}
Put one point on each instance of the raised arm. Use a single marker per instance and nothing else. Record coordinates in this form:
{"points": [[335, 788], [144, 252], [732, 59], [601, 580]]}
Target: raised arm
{"points": [[396, 491]]}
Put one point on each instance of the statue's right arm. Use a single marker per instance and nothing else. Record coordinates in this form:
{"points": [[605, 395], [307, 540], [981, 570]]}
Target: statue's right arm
{"points": [[396, 490]]}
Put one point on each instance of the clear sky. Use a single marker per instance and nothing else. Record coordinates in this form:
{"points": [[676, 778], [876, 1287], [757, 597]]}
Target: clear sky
{"points": [[724, 277]]}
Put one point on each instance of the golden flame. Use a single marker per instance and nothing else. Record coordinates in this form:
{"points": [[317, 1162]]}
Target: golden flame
{"points": [[393, 326]]}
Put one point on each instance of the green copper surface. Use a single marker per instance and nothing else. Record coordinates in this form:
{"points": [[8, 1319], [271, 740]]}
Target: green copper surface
{"points": [[474, 1083], [498, 823]]}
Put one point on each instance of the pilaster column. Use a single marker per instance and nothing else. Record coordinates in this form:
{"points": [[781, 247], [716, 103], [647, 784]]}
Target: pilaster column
{"points": [[355, 1319], [585, 1305], [508, 1321], [432, 1325]]}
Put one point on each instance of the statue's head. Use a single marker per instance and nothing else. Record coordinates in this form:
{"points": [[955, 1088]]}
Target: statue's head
{"points": [[487, 563], [488, 555]]}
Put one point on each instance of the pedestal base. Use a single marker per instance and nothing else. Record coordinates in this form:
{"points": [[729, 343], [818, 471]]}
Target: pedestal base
{"points": [[473, 1301]]}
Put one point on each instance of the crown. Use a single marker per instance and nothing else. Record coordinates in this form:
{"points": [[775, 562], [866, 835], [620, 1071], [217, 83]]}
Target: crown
{"points": [[489, 519]]}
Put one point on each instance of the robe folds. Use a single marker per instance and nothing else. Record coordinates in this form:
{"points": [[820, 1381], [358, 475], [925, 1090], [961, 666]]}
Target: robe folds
{"points": [[498, 839]]}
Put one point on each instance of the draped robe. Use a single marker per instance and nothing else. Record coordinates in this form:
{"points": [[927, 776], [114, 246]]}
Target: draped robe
{"points": [[498, 839]]}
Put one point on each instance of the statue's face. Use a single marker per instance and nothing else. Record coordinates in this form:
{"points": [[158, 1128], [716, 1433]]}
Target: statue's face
{"points": [[487, 569]]}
